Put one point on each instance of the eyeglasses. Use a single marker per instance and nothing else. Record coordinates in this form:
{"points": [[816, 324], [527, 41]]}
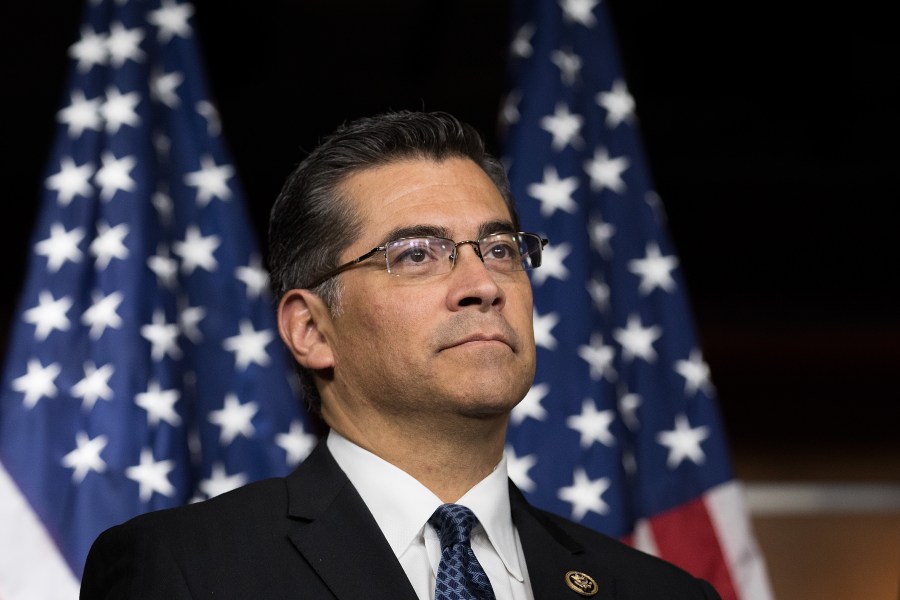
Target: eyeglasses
{"points": [[426, 256]]}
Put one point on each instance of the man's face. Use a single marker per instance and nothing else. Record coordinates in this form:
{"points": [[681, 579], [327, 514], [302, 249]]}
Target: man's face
{"points": [[460, 342]]}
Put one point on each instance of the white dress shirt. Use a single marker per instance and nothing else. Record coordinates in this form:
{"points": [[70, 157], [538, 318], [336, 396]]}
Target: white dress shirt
{"points": [[402, 506]]}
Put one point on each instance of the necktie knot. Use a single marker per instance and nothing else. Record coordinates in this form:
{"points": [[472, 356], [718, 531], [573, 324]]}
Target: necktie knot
{"points": [[453, 524], [459, 575]]}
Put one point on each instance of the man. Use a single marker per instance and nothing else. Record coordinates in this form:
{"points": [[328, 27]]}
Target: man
{"points": [[396, 257]]}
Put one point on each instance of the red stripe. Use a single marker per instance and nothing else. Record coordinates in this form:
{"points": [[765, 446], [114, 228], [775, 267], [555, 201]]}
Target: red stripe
{"points": [[687, 537]]}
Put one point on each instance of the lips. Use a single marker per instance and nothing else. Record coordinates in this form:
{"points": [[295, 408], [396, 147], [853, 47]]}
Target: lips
{"points": [[461, 334]]}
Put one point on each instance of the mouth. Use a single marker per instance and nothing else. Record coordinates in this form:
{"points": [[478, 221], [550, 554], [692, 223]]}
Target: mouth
{"points": [[479, 339]]}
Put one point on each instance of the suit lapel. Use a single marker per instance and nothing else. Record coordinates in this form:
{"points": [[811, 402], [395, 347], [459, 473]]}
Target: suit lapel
{"points": [[550, 554], [337, 535]]}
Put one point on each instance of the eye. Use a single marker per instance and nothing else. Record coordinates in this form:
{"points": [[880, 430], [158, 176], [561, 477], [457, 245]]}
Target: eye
{"points": [[415, 255], [500, 248]]}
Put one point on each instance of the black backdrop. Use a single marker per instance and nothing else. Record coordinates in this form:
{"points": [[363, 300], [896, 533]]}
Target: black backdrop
{"points": [[771, 131]]}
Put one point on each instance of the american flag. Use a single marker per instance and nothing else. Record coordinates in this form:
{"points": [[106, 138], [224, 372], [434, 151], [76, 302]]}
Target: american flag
{"points": [[620, 430], [143, 368]]}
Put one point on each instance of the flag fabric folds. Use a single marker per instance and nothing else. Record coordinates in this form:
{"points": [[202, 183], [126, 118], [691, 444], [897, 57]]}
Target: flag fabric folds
{"points": [[143, 368], [620, 430]]}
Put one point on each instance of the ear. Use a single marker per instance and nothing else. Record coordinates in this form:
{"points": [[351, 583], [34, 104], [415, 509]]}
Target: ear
{"points": [[303, 320]]}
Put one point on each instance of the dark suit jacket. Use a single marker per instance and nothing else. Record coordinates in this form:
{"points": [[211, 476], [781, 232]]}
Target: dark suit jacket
{"points": [[310, 536]]}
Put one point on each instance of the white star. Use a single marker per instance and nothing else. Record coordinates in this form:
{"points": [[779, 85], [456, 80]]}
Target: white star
{"points": [[543, 327], [159, 404], [109, 244], [552, 264], [554, 193], [593, 425], [521, 44], [517, 468], [164, 206], [601, 233], [189, 318], [152, 476], [102, 313], [163, 86], [61, 246], [569, 65], [530, 406], [695, 372], [579, 11], [683, 442], [37, 383], [172, 20], [114, 175], [80, 114], [89, 50], [585, 494], [234, 419], [94, 386], [119, 110], [163, 337], [565, 127], [197, 251], [86, 456], [637, 340], [655, 270], [599, 292], [48, 315], [124, 44], [509, 112], [628, 405], [70, 181], [254, 277], [210, 180], [606, 172], [619, 104], [599, 357], [220, 482], [296, 443], [164, 267], [206, 110], [249, 346]]}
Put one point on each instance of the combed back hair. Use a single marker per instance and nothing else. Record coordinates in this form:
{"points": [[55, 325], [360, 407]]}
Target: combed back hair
{"points": [[312, 222]]}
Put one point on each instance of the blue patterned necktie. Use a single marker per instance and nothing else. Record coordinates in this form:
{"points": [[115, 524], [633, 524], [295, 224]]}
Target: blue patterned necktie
{"points": [[459, 575]]}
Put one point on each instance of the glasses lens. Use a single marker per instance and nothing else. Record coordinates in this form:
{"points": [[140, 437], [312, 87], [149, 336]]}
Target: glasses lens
{"points": [[511, 251], [419, 256]]}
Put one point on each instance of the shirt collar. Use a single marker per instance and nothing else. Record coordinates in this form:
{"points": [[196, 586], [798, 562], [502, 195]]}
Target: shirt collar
{"points": [[402, 506]]}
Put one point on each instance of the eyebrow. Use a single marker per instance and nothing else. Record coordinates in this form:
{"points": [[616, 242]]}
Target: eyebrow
{"points": [[484, 230]]}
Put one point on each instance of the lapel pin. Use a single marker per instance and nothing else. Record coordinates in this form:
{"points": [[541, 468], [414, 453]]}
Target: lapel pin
{"points": [[581, 583]]}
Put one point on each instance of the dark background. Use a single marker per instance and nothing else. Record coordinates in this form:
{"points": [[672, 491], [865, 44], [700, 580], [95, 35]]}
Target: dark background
{"points": [[771, 131]]}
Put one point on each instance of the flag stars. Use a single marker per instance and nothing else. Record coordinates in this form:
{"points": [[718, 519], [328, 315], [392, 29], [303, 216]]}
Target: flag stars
{"points": [[48, 315], [234, 419], [159, 404], [208, 111], [171, 20], [564, 126], [683, 442], [102, 314], [60, 247], [554, 193], [119, 109], [543, 329], [569, 65], [152, 476], [94, 385], [254, 277], [606, 172], [71, 180], [189, 318], [695, 372], [249, 346], [38, 382], [601, 233], [593, 425], [86, 456], [655, 270], [599, 357], [124, 44], [628, 406], [80, 114], [579, 11], [197, 251], [163, 337], [552, 264], [163, 86], [164, 267], [220, 482], [530, 406], [89, 50], [599, 293], [585, 494], [518, 467], [618, 102], [210, 180], [521, 44], [115, 175], [109, 244], [637, 340], [296, 443]]}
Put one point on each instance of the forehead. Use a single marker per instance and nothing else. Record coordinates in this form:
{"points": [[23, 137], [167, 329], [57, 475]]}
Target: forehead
{"points": [[454, 194]]}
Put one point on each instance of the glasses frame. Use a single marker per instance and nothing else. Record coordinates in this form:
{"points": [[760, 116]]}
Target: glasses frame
{"points": [[474, 243]]}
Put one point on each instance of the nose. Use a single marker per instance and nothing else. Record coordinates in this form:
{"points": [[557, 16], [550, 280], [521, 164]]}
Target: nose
{"points": [[471, 284]]}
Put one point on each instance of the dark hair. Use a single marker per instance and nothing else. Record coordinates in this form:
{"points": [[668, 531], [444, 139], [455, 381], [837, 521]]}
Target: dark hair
{"points": [[311, 222]]}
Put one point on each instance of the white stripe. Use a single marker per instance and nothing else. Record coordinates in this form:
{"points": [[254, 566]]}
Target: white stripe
{"points": [[818, 498], [643, 538], [31, 567], [728, 513]]}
